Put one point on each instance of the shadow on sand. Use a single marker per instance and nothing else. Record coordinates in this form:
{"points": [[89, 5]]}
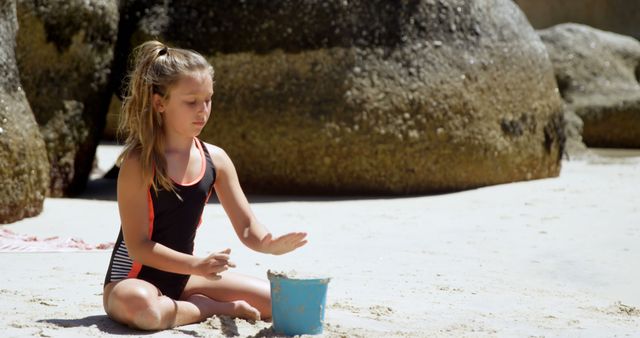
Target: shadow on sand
{"points": [[102, 322], [105, 324]]}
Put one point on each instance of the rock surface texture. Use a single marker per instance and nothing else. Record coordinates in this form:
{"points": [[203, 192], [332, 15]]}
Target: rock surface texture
{"points": [[598, 74], [372, 96], [620, 16], [24, 168], [65, 52]]}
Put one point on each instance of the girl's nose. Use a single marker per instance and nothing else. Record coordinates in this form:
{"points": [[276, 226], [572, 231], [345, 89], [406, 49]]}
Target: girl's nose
{"points": [[206, 106]]}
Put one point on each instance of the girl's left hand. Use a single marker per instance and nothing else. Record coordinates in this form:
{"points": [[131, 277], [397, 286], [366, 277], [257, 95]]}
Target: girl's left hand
{"points": [[283, 244]]}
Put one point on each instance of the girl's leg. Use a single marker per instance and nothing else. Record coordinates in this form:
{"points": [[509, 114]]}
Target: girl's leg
{"points": [[233, 287], [139, 304]]}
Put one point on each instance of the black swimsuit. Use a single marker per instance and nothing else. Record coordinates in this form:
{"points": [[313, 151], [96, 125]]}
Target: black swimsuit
{"points": [[172, 223]]}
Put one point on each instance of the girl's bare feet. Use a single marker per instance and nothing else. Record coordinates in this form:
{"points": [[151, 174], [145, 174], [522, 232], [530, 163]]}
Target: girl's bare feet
{"points": [[238, 308], [245, 311]]}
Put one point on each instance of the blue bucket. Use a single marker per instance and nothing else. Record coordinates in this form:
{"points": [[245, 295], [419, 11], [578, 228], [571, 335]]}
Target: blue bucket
{"points": [[297, 305]]}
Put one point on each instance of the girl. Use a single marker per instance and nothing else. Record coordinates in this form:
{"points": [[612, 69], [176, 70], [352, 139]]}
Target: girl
{"points": [[167, 175]]}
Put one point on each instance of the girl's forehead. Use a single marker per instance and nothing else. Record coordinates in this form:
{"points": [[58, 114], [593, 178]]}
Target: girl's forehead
{"points": [[194, 83]]}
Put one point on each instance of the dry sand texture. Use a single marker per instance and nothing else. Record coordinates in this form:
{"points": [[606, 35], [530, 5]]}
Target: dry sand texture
{"points": [[554, 258]]}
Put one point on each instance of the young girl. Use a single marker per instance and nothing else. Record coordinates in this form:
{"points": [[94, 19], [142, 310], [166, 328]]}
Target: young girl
{"points": [[167, 175]]}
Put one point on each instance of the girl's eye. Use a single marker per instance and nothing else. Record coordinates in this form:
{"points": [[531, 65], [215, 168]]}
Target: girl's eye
{"points": [[191, 102]]}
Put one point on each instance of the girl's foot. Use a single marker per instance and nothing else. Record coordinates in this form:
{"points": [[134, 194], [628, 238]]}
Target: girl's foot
{"points": [[244, 310], [238, 308]]}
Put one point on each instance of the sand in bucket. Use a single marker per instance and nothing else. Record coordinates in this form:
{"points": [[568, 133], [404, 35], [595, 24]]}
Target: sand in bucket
{"points": [[297, 304]]}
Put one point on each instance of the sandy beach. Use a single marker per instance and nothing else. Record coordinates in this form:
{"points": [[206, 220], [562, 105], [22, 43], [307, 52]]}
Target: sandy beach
{"points": [[555, 258]]}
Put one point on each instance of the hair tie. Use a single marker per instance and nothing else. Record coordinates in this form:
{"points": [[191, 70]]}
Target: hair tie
{"points": [[163, 51]]}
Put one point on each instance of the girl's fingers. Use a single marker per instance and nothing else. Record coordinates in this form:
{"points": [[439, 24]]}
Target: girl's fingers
{"points": [[285, 243], [222, 263], [218, 269], [295, 236], [217, 262], [224, 254], [295, 245], [220, 257], [299, 236]]}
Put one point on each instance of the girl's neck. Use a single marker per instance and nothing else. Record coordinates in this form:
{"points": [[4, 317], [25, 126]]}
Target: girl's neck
{"points": [[178, 144]]}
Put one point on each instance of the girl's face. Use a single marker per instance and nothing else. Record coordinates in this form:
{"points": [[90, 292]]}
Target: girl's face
{"points": [[189, 105]]}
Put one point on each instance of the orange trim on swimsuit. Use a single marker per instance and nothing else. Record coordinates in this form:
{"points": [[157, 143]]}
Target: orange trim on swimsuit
{"points": [[135, 269], [205, 203]]}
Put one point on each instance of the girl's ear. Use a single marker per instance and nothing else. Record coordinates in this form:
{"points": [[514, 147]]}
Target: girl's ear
{"points": [[158, 103]]}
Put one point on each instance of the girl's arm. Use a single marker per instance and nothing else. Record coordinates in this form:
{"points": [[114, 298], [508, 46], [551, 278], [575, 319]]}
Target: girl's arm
{"points": [[134, 211], [251, 232]]}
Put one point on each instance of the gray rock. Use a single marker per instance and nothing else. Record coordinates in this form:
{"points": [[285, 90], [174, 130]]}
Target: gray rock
{"points": [[598, 74], [24, 169], [373, 96], [64, 52], [619, 16], [574, 147]]}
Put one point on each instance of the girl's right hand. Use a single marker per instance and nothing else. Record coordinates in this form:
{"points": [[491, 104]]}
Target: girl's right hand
{"points": [[210, 266]]}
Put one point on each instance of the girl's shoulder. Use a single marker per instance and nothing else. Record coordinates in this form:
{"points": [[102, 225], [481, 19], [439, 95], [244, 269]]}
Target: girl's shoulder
{"points": [[131, 159], [219, 157], [130, 175], [129, 163], [212, 148]]}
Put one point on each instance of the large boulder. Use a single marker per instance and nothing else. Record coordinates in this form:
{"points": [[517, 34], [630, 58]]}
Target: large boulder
{"points": [[65, 52], [598, 74], [373, 96], [24, 168], [620, 16]]}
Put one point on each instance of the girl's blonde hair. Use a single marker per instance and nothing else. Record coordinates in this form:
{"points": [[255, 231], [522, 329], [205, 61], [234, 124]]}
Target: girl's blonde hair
{"points": [[156, 67]]}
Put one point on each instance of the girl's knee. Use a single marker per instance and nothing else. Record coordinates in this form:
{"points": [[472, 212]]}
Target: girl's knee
{"points": [[135, 305], [140, 312], [149, 318]]}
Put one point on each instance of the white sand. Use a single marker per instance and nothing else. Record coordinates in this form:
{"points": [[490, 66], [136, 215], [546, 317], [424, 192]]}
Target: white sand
{"points": [[556, 257]]}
